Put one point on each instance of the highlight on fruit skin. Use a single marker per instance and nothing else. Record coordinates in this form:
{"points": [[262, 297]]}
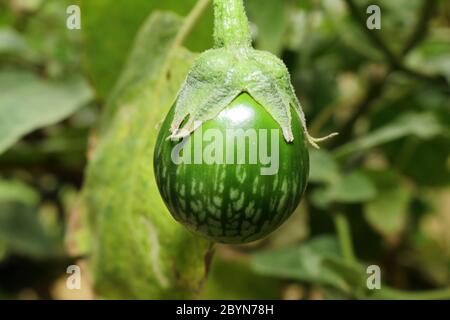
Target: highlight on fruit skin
{"points": [[232, 201]]}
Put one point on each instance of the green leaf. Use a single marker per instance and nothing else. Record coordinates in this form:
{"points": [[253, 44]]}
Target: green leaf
{"points": [[387, 212], [316, 261], [305, 4], [398, 13], [433, 157], [17, 191], [23, 233], [110, 26], [21, 230], [3, 251], [422, 125], [340, 24], [11, 42], [234, 280], [352, 188], [432, 55], [431, 241], [270, 19], [140, 251], [324, 167], [28, 103]]}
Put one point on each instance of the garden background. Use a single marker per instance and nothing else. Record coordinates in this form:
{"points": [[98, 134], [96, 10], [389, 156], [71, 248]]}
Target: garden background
{"points": [[379, 193]]}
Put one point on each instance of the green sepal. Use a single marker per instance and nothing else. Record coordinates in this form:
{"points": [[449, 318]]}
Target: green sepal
{"points": [[220, 75]]}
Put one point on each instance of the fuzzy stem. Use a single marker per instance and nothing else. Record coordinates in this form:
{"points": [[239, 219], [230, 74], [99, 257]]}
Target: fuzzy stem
{"points": [[231, 28], [344, 236]]}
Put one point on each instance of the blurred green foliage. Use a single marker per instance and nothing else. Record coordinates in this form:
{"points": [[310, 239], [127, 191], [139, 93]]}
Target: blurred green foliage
{"points": [[105, 54], [387, 174], [160, 259]]}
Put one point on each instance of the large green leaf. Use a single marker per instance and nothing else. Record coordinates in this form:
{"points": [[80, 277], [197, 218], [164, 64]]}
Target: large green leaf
{"points": [[28, 103], [14, 191], [140, 251], [340, 24], [424, 162], [432, 55], [11, 42], [352, 188], [316, 261], [387, 212], [324, 167], [109, 27], [234, 280], [21, 230], [422, 125], [270, 19]]}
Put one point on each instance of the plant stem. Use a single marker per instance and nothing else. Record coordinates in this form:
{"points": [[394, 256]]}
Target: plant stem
{"points": [[189, 23], [387, 293], [191, 20], [231, 28], [394, 294], [344, 237]]}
